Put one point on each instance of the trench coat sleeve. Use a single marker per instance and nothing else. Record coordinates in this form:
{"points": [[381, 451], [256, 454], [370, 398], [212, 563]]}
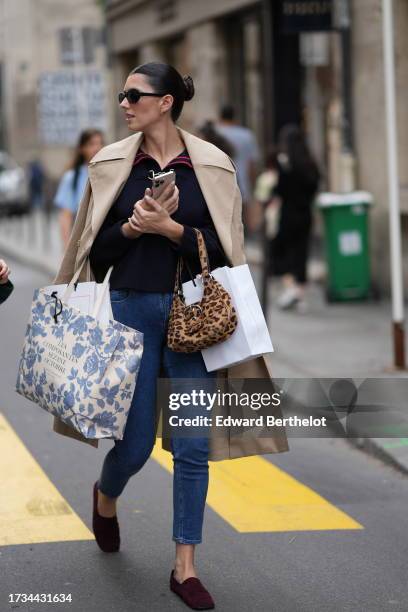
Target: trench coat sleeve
{"points": [[67, 267]]}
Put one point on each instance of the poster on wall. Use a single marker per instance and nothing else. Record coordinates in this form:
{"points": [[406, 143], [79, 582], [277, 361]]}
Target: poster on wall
{"points": [[70, 101]]}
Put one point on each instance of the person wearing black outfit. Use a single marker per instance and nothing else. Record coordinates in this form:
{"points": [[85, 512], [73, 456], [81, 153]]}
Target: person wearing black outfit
{"points": [[298, 180]]}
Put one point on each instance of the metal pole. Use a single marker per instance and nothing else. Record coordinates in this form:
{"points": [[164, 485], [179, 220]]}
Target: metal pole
{"points": [[268, 62], [393, 187], [348, 137], [268, 84]]}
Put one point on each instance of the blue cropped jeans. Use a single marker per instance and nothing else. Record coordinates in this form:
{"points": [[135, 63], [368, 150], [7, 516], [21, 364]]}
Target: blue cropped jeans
{"points": [[149, 312]]}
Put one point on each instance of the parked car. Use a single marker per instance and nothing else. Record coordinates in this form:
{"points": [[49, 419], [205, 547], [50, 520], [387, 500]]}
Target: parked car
{"points": [[14, 187]]}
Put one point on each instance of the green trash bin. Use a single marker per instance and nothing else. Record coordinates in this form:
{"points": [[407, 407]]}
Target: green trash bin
{"points": [[345, 219]]}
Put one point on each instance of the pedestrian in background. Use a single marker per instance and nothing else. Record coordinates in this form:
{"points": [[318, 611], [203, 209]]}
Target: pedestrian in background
{"points": [[37, 184], [298, 180], [6, 286], [72, 184], [208, 132], [264, 184], [246, 157]]}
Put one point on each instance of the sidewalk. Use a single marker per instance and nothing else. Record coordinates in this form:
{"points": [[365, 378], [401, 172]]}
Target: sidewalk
{"points": [[32, 239], [342, 340], [338, 340]]}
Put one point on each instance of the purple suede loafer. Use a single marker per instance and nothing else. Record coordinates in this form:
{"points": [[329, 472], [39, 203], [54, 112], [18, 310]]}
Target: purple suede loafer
{"points": [[192, 592], [106, 529]]}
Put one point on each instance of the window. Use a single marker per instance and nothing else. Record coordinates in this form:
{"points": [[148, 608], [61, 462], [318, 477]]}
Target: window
{"points": [[77, 45]]}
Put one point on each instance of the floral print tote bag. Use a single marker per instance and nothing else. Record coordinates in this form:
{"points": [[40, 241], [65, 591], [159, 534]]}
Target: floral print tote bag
{"points": [[78, 368]]}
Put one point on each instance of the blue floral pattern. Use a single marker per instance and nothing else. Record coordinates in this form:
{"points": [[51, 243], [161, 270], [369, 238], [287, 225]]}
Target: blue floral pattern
{"points": [[78, 370]]}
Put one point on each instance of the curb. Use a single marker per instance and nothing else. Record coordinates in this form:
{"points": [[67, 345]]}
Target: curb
{"points": [[376, 448], [391, 451]]}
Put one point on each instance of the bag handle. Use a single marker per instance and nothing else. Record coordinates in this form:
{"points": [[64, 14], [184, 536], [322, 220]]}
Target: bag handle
{"points": [[204, 262], [71, 286], [202, 253], [102, 294]]}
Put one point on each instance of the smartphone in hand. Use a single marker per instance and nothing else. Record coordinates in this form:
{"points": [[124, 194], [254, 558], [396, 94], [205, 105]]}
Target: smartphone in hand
{"points": [[160, 180]]}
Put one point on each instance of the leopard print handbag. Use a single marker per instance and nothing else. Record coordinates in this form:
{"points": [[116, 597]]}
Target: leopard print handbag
{"points": [[200, 325]]}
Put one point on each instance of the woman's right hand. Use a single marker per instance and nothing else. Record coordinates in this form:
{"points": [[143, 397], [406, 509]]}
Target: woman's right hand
{"points": [[169, 200], [127, 228]]}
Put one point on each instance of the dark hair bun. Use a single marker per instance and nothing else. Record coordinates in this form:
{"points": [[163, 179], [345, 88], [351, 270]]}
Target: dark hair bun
{"points": [[188, 88]]}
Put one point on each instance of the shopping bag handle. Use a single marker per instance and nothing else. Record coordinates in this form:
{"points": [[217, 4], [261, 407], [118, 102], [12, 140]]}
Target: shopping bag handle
{"points": [[70, 288], [71, 285], [102, 293]]}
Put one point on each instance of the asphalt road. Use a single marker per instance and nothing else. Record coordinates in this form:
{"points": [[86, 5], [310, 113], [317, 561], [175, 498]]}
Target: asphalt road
{"points": [[287, 567]]}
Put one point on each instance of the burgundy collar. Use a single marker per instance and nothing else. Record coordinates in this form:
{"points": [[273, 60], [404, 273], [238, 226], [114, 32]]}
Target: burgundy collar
{"points": [[182, 159]]}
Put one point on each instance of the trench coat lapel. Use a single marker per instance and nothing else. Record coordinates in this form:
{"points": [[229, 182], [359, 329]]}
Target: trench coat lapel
{"points": [[109, 170], [215, 176]]}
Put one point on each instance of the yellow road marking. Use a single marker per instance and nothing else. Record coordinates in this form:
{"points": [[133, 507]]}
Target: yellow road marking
{"points": [[31, 510], [254, 495]]}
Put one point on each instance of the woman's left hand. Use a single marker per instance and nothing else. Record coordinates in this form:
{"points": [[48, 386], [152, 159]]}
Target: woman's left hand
{"points": [[154, 221]]}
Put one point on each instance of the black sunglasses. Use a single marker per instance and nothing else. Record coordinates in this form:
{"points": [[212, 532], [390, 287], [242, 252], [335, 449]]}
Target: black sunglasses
{"points": [[134, 95]]}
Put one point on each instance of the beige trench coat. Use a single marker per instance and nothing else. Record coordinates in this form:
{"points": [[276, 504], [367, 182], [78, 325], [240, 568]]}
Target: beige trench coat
{"points": [[108, 172]]}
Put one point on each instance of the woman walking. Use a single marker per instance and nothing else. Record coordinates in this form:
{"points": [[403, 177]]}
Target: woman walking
{"points": [[120, 224], [298, 180], [143, 240], [72, 184]]}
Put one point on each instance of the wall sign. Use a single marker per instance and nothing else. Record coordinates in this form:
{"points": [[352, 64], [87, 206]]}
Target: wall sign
{"points": [[70, 101], [306, 15], [166, 11]]}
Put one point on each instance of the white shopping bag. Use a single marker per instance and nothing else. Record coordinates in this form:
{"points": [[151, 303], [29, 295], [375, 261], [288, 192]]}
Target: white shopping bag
{"points": [[85, 296], [251, 337]]}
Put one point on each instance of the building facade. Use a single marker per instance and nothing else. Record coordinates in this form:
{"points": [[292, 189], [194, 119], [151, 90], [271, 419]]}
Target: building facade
{"points": [[54, 78], [61, 68], [370, 123], [218, 43], [330, 80], [57, 78]]}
